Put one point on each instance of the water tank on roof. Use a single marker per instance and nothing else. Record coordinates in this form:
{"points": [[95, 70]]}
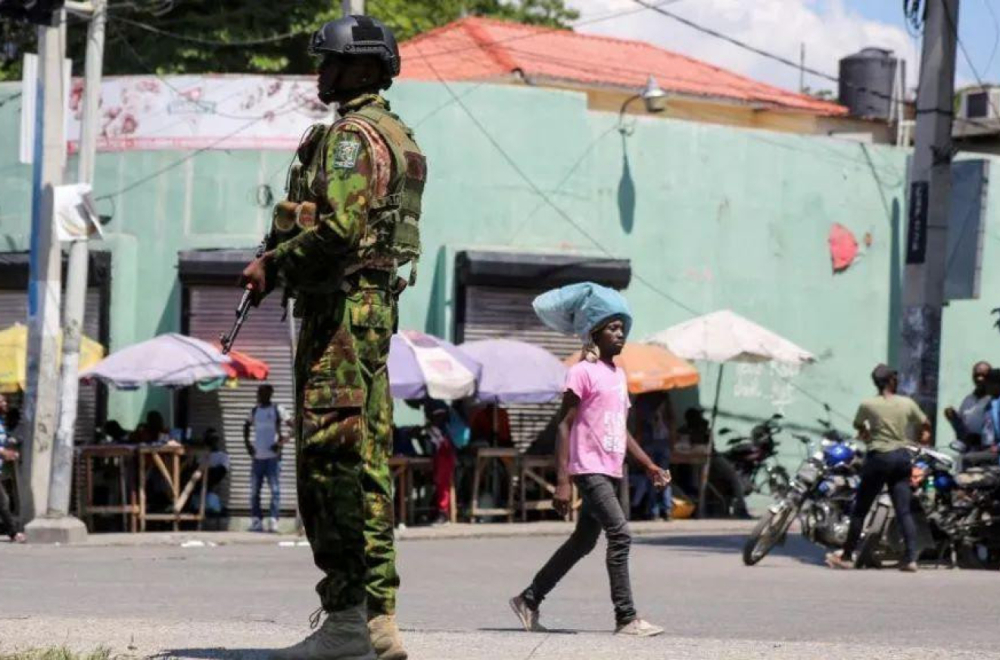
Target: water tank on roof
{"points": [[866, 83]]}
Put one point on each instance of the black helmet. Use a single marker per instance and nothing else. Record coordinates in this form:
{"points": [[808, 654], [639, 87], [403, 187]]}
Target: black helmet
{"points": [[358, 35]]}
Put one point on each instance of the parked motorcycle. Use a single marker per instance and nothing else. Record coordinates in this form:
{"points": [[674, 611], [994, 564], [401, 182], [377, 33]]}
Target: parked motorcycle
{"points": [[937, 512], [754, 458], [819, 495]]}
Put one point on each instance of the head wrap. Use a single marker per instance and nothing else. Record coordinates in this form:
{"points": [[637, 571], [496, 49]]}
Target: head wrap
{"points": [[581, 309]]}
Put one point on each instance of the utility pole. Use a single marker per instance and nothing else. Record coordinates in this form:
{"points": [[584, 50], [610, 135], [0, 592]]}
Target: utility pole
{"points": [[927, 217], [353, 7], [59, 526], [41, 402]]}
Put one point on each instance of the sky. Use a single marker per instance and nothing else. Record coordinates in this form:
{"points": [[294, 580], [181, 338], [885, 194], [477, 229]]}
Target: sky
{"points": [[830, 29]]}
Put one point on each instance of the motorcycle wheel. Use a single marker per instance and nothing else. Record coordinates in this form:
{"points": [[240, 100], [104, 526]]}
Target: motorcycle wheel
{"points": [[766, 534], [876, 549]]}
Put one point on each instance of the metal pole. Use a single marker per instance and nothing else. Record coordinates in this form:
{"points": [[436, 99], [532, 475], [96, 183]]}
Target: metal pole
{"points": [[353, 7], [76, 279], [45, 271], [930, 190]]}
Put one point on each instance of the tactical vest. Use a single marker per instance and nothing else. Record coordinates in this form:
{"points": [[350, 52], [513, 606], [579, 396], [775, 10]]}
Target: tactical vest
{"points": [[392, 233]]}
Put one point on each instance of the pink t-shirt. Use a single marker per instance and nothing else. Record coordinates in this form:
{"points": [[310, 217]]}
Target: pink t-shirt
{"points": [[597, 440]]}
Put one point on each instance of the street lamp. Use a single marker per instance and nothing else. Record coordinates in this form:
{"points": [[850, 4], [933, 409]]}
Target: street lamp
{"points": [[654, 98]]}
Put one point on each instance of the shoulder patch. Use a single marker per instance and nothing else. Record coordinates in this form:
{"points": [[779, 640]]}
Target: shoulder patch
{"points": [[345, 154]]}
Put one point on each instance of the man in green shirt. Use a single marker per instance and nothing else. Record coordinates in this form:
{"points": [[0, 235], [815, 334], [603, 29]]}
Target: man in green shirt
{"points": [[889, 424]]}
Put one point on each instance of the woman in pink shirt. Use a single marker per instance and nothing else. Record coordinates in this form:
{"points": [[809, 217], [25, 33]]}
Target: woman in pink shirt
{"points": [[592, 444]]}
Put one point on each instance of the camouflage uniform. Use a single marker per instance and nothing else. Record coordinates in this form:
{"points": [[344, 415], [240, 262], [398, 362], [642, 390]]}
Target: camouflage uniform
{"points": [[346, 286]]}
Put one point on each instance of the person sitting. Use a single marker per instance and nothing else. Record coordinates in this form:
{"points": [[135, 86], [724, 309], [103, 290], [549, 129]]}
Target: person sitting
{"points": [[114, 433], [218, 469], [152, 431], [654, 420], [970, 418], [490, 425]]}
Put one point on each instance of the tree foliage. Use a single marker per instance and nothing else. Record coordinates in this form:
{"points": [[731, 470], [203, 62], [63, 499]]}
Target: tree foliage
{"points": [[209, 25]]}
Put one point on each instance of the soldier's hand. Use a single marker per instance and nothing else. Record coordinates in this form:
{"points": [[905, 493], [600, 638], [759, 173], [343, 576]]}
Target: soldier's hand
{"points": [[258, 277]]}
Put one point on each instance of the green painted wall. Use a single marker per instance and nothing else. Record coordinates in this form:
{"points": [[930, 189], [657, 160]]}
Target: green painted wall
{"points": [[711, 218]]}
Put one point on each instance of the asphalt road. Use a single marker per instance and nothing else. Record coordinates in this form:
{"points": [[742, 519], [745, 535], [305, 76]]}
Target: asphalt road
{"points": [[236, 601]]}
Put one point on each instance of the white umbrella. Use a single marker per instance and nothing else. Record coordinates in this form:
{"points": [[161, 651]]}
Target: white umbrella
{"points": [[169, 360], [725, 336]]}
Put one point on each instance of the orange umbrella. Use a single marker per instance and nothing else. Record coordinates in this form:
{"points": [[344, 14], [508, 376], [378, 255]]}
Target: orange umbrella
{"points": [[651, 368], [244, 367]]}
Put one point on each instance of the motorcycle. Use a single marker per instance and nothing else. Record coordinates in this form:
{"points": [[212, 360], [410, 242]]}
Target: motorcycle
{"points": [[819, 495], [936, 509], [755, 459]]}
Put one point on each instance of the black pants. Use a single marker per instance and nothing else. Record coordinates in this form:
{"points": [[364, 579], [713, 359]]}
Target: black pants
{"points": [[601, 510], [8, 524], [891, 469]]}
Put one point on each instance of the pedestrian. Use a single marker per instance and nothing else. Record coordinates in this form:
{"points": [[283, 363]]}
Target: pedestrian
{"points": [[889, 424], [968, 421], [268, 422], [7, 453], [352, 217], [441, 430], [592, 443]]}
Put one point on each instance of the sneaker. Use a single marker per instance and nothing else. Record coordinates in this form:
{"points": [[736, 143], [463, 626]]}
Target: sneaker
{"points": [[19, 537], [528, 616], [835, 560], [256, 525], [441, 521], [343, 636], [272, 525], [909, 567], [639, 628]]}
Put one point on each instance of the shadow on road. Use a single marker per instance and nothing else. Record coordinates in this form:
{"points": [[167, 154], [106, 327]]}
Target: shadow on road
{"points": [[548, 631], [795, 547]]}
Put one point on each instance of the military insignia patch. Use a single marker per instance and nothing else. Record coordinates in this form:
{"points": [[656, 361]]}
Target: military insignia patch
{"points": [[345, 155]]}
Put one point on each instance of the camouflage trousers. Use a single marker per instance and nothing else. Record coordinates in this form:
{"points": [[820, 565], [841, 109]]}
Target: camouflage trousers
{"points": [[343, 443]]}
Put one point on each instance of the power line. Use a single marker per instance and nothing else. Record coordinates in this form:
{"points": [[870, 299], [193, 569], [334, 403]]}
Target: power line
{"points": [[953, 26], [784, 60], [12, 97], [209, 42]]}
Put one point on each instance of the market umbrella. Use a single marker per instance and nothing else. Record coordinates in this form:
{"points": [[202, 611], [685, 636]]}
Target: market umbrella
{"points": [[244, 367], [516, 372], [725, 336], [14, 356], [169, 360], [421, 365], [651, 368]]}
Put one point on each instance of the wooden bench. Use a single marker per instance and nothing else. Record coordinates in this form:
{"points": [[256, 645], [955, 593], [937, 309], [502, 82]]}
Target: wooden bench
{"points": [[124, 457], [486, 460]]}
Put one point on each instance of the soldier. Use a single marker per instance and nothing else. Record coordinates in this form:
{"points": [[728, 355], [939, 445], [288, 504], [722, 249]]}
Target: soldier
{"points": [[350, 221]]}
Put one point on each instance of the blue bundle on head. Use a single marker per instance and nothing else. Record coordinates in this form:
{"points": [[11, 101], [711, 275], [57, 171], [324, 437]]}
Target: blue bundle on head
{"points": [[580, 309]]}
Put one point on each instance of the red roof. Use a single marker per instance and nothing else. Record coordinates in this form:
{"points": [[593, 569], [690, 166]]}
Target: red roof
{"points": [[481, 49]]}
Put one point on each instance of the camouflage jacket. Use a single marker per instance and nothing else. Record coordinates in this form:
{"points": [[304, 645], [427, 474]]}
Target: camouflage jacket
{"points": [[356, 169]]}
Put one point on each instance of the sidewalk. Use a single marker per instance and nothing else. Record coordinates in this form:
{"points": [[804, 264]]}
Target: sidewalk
{"points": [[447, 532]]}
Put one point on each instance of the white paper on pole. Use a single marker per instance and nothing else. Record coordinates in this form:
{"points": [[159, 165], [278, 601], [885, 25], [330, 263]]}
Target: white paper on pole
{"points": [[76, 216]]}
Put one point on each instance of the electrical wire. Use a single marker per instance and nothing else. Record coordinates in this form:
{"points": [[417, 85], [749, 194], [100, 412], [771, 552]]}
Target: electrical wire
{"points": [[209, 42], [953, 27], [784, 60]]}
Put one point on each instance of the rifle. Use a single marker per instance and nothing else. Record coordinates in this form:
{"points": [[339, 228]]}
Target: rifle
{"points": [[243, 309]]}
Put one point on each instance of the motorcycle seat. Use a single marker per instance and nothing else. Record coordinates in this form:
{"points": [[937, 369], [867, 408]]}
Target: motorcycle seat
{"points": [[978, 479]]}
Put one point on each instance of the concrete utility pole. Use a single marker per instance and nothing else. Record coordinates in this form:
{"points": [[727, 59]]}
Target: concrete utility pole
{"points": [[59, 526], [930, 189], [353, 7], [41, 402]]}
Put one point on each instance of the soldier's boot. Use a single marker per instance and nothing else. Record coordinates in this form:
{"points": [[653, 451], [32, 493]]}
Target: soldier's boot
{"points": [[385, 637], [343, 636]]}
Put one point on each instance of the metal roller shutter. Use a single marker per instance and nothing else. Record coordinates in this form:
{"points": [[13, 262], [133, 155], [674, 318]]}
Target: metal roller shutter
{"points": [[14, 309], [266, 337], [495, 312]]}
